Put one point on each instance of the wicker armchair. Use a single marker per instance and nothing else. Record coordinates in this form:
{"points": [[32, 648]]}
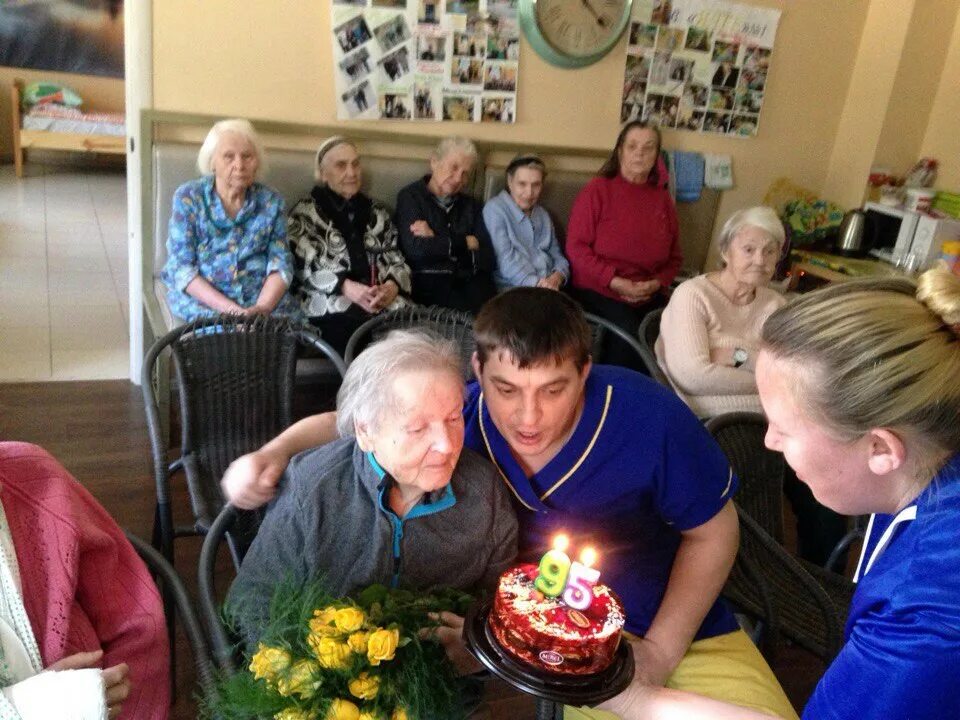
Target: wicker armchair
{"points": [[172, 585], [224, 647], [649, 332], [235, 377], [450, 324], [601, 328], [811, 603]]}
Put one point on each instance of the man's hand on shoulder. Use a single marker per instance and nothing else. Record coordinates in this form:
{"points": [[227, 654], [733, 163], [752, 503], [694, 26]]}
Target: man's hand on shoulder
{"points": [[251, 480]]}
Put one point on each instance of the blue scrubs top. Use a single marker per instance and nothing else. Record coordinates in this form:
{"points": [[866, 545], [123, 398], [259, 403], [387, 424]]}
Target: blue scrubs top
{"points": [[901, 660], [638, 469]]}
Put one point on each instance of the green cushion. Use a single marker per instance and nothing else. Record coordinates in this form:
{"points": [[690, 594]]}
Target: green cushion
{"points": [[48, 92]]}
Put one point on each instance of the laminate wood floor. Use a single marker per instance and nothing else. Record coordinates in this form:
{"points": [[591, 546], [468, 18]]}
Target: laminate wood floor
{"points": [[98, 432]]}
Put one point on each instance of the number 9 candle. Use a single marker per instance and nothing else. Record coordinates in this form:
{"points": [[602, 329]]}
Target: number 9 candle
{"points": [[554, 568]]}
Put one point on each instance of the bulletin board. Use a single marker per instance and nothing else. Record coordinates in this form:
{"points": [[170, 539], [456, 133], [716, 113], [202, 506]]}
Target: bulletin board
{"points": [[426, 60], [698, 65]]}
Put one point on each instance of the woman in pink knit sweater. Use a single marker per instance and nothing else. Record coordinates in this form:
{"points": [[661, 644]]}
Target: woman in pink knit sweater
{"points": [[82, 632], [710, 329]]}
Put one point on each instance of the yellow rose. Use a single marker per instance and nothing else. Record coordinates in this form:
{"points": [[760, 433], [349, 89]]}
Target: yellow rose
{"points": [[348, 619], [364, 686], [331, 653], [399, 714], [300, 680], [381, 645], [370, 715], [322, 622], [358, 642], [268, 662], [343, 710], [291, 714]]}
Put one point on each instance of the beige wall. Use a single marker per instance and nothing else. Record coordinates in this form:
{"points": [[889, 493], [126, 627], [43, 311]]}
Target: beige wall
{"points": [[99, 93], [942, 139], [229, 58], [915, 86]]}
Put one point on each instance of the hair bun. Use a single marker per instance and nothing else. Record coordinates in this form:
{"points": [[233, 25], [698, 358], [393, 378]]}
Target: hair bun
{"points": [[939, 290]]}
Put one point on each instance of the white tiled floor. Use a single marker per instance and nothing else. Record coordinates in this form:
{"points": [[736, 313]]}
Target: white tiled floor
{"points": [[63, 274]]}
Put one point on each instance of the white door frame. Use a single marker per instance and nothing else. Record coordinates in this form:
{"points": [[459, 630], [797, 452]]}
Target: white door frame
{"points": [[138, 90]]}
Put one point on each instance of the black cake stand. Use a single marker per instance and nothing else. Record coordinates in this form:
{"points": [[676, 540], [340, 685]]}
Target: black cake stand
{"points": [[550, 689]]}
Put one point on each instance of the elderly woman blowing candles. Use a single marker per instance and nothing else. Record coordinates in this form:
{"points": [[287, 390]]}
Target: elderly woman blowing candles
{"points": [[390, 501]]}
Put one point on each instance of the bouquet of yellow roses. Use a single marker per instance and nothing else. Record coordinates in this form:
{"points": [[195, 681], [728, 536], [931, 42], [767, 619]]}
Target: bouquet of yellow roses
{"points": [[363, 658]]}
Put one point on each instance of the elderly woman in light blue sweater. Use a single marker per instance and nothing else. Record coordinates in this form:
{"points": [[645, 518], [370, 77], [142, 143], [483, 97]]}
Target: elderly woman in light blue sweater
{"points": [[521, 230]]}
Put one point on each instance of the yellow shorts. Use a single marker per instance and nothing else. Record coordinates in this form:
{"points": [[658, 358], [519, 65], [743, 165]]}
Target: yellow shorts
{"points": [[728, 668]]}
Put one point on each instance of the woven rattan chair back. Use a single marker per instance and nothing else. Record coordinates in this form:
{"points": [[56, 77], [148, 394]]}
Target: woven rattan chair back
{"points": [[649, 332], [759, 470], [224, 646], [450, 324], [809, 604], [769, 583], [172, 585], [235, 379], [236, 390]]}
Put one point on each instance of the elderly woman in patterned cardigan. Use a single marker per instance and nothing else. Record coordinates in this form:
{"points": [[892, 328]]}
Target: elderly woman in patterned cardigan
{"points": [[227, 249], [348, 266]]}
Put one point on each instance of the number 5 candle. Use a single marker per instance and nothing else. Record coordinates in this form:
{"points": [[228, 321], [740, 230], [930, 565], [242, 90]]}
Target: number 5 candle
{"points": [[580, 581]]}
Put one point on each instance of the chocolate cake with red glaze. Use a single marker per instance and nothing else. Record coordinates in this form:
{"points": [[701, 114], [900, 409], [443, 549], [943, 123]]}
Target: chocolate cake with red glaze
{"points": [[547, 634]]}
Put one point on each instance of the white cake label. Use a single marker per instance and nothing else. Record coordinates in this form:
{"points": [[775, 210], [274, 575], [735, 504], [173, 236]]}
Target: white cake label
{"points": [[549, 657]]}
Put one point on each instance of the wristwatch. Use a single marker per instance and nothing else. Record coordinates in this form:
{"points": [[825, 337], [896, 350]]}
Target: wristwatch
{"points": [[739, 357]]}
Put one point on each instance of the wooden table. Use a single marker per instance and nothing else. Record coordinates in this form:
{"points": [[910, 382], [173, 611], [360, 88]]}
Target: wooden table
{"points": [[837, 268]]}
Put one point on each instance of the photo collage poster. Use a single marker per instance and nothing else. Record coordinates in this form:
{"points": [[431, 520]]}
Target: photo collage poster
{"points": [[698, 65], [426, 59]]}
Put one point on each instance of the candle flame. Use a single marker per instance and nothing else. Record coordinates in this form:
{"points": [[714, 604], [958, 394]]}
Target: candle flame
{"points": [[588, 557], [561, 542]]}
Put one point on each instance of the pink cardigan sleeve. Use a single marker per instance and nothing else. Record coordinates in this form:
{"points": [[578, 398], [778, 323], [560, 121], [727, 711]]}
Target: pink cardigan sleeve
{"points": [[83, 584], [589, 270], [117, 593]]}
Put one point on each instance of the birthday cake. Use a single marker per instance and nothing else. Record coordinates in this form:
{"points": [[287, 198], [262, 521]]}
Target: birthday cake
{"points": [[548, 634]]}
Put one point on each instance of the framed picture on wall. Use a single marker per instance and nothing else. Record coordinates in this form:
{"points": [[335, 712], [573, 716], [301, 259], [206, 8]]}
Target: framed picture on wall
{"points": [[72, 36]]}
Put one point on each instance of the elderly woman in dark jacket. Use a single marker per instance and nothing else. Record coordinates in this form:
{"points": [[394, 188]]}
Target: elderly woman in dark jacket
{"points": [[397, 500], [348, 266], [442, 232]]}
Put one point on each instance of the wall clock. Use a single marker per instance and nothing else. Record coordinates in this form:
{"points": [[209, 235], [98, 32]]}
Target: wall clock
{"points": [[573, 33]]}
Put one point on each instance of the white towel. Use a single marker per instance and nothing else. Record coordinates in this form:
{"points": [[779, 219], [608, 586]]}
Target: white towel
{"points": [[64, 695], [718, 171]]}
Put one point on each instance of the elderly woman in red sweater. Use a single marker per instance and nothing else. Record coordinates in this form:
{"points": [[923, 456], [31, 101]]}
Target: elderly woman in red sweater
{"points": [[82, 633], [623, 240]]}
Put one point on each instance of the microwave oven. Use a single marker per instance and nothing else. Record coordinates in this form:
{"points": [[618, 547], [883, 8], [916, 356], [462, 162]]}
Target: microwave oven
{"points": [[928, 238], [891, 234], [888, 231]]}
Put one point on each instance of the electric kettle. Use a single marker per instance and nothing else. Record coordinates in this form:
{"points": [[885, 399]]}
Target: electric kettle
{"points": [[850, 237]]}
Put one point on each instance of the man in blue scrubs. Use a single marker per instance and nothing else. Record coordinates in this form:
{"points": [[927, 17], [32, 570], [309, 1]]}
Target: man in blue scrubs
{"points": [[613, 460]]}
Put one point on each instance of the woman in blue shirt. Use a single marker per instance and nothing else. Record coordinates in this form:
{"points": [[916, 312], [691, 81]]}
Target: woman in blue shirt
{"points": [[524, 241], [861, 385], [227, 243]]}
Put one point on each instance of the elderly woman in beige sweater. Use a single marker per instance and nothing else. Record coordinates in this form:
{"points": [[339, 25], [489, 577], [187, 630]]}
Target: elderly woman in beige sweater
{"points": [[710, 329]]}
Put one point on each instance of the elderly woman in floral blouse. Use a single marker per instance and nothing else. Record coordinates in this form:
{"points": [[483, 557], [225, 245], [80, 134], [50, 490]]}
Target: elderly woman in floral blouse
{"points": [[348, 264], [226, 248]]}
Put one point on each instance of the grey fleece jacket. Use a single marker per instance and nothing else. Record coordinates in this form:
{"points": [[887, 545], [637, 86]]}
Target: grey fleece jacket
{"points": [[331, 517]]}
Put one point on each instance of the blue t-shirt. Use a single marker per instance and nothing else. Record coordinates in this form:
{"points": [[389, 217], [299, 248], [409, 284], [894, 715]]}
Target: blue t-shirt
{"points": [[901, 660], [638, 469]]}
